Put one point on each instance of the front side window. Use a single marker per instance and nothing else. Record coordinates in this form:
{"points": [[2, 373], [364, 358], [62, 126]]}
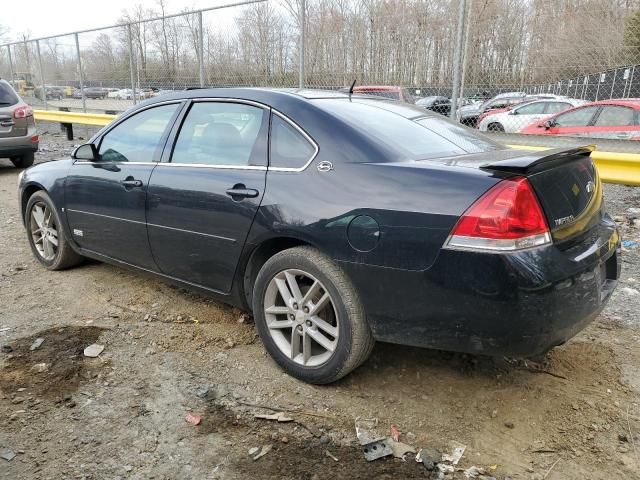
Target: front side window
{"points": [[137, 139], [576, 118], [615, 116], [531, 109], [220, 133], [288, 148]]}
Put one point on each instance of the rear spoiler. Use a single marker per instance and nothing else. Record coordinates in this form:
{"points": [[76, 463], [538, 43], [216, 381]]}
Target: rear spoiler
{"points": [[532, 162]]}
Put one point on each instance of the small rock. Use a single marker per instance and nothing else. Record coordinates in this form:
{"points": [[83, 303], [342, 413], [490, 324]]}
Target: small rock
{"points": [[40, 368], [17, 400], [128, 468], [7, 349], [494, 413], [254, 450], [575, 406], [622, 437], [36, 344], [509, 424], [284, 440], [93, 351]]}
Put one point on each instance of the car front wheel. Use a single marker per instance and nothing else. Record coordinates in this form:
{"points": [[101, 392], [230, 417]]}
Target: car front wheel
{"points": [[310, 317], [46, 234]]}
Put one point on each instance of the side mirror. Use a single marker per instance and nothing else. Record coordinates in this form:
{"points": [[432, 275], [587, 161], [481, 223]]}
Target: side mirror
{"points": [[548, 124], [88, 152]]}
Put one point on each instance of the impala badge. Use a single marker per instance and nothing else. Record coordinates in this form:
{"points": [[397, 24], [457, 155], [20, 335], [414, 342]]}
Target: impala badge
{"points": [[324, 166]]}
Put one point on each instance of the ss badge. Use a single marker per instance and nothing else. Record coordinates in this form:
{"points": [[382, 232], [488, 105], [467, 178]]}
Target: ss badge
{"points": [[324, 166]]}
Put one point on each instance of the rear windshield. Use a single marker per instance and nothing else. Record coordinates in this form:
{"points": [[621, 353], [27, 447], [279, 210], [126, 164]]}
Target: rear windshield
{"points": [[407, 130], [7, 95], [379, 93]]}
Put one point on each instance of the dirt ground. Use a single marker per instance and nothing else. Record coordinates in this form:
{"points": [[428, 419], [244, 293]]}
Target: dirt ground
{"points": [[169, 352]]}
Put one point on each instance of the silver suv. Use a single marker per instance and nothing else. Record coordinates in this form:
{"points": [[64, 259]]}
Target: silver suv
{"points": [[18, 136]]}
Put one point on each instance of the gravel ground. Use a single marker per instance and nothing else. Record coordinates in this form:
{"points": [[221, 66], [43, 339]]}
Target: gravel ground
{"points": [[169, 352]]}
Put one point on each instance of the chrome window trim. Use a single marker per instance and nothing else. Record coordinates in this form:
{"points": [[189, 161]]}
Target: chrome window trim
{"points": [[218, 167], [120, 119], [98, 162], [304, 134]]}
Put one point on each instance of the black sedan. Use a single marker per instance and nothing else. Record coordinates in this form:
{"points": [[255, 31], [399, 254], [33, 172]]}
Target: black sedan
{"points": [[338, 220], [441, 105]]}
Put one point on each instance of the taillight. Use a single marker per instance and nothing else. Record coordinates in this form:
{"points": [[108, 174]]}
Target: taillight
{"points": [[23, 112], [507, 217]]}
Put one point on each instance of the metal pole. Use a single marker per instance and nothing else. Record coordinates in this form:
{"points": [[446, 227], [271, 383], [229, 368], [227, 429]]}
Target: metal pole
{"points": [[457, 57], [44, 90], [613, 84], [303, 8], [200, 49], [11, 65], [633, 71], [464, 50], [84, 103], [131, 72]]}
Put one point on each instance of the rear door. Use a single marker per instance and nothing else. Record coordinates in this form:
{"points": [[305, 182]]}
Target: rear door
{"points": [[616, 122], [204, 195]]}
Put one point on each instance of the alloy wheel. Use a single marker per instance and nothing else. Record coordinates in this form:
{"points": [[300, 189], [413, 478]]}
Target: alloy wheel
{"points": [[44, 231], [301, 317]]}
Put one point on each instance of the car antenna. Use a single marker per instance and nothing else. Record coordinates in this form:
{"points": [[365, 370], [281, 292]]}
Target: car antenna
{"points": [[351, 87]]}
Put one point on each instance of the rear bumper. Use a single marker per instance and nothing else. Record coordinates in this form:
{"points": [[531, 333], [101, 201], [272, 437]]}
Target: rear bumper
{"points": [[16, 146], [518, 304]]}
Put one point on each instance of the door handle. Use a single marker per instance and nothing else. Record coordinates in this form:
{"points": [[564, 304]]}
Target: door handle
{"points": [[7, 123], [239, 191], [131, 182]]}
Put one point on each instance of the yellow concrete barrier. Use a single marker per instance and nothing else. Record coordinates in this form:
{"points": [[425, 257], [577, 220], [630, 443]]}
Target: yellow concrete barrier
{"points": [[623, 168], [94, 119]]}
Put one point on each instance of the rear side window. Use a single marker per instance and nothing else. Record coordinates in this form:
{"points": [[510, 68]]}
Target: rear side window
{"points": [[137, 139], [220, 134], [614, 116], [289, 147], [7, 95]]}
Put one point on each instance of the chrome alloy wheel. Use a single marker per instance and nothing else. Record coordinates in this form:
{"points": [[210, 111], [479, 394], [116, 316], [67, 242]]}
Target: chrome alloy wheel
{"points": [[301, 317], [44, 231]]}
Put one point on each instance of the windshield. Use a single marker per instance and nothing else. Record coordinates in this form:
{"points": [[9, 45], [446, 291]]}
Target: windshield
{"points": [[407, 130]]}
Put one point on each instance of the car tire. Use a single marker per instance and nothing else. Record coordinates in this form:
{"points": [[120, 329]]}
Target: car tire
{"points": [[339, 322], [41, 211], [23, 161], [495, 127]]}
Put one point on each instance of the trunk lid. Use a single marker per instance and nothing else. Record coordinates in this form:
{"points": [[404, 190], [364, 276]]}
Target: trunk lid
{"points": [[567, 185]]}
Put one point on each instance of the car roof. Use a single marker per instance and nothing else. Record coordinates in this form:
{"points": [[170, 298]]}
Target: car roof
{"points": [[625, 102]]}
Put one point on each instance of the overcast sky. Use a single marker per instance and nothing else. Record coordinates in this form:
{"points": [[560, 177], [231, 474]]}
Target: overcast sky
{"points": [[42, 18]]}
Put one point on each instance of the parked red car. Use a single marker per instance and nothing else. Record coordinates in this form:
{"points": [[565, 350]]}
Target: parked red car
{"points": [[394, 93], [615, 119]]}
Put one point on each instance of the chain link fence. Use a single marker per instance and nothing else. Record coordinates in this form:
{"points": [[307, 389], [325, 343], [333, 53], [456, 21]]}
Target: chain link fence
{"points": [[513, 66]]}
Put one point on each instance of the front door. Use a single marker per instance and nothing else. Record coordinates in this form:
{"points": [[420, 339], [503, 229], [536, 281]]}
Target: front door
{"points": [[202, 202], [105, 199]]}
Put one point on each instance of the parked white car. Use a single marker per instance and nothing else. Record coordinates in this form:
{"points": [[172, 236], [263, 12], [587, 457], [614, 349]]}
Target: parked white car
{"points": [[124, 94], [520, 116]]}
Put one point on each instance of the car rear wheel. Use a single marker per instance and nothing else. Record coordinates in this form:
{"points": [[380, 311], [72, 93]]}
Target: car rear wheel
{"points": [[23, 161], [495, 127], [46, 234], [310, 317]]}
